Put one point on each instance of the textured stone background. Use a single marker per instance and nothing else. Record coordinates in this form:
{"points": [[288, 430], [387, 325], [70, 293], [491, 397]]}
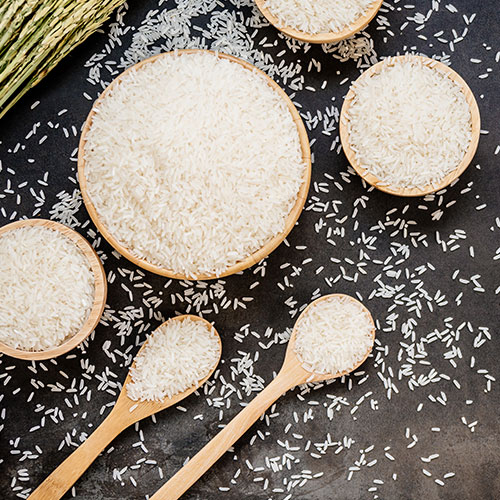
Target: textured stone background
{"points": [[469, 449]]}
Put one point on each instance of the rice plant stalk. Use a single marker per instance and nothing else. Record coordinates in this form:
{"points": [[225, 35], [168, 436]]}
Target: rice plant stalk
{"points": [[36, 34]]}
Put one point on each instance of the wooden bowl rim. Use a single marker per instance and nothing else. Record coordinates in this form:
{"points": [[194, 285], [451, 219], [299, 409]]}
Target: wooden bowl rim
{"points": [[100, 291], [326, 37], [248, 261], [429, 188]]}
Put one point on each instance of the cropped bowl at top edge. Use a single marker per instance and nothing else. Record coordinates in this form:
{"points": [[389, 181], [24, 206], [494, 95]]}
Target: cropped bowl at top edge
{"points": [[250, 260], [100, 291], [326, 37], [449, 178]]}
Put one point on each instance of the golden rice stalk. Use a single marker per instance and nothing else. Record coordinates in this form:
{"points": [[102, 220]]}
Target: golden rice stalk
{"points": [[36, 34]]}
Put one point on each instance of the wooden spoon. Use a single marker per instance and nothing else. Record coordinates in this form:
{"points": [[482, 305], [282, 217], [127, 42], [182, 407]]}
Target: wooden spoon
{"points": [[125, 413], [291, 374]]}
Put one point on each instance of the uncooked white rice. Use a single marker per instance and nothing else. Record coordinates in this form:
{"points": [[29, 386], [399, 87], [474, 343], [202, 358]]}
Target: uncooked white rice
{"points": [[409, 124], [178, 354], [318, 16], [46, 288], [185, 170], [334, 335]]}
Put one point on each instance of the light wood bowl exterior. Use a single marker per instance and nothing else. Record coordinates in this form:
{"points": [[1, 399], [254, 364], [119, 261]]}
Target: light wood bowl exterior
{"points": [[251, 259], [452, 176], [100, 291], [327, 37]]}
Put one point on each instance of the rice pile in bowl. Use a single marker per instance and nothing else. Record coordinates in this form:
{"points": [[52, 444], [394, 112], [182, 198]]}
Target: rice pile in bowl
{"points": [[318, 16], [46, 288], [334, 335], [192, 163], [408, 123]]}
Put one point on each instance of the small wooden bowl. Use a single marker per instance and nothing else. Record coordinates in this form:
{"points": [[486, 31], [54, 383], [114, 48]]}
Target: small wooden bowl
{"points": [[430, 188], [251, 259], [327, 37], [100, 291]]}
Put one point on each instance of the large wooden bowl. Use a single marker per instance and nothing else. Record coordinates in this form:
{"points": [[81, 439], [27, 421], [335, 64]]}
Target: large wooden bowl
{"points": [[327, 37], [430, 188], [100, 291], [254, 257]]}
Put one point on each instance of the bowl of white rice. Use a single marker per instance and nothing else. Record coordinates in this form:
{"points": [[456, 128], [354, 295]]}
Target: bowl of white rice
{"points": [[194, 164], [319, 21], [409, 125], [52, 289]]}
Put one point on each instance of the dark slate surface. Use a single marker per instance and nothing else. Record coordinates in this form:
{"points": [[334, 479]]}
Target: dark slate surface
{"points": [[472, 456]]}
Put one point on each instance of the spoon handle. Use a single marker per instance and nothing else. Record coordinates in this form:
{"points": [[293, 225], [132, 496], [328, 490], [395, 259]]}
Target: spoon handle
{"points": [[212, 451], [62, 478]]}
